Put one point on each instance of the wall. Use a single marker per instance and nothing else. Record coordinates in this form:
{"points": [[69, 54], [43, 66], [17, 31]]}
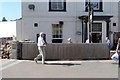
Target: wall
{"points": [[44, 18], [19, 29], [119, 16], [114, 12]]}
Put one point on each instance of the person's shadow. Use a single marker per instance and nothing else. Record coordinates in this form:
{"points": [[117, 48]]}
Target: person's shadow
{"points": [[64, 64]]}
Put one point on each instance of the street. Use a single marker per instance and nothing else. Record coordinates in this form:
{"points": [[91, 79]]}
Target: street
{"points": [[59, 69]]}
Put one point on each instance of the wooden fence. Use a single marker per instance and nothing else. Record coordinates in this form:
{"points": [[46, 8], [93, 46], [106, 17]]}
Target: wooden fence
{"points": [[67, 51]]}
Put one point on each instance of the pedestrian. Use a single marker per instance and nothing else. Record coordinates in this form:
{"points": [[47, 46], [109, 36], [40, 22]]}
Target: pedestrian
{"points": [[109, 43], [89, 40], [69, 40], [118, 50], [41, 47]]}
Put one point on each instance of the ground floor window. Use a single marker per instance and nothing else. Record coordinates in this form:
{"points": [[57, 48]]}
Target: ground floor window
{"points": [[57, 33], [97, 33]]}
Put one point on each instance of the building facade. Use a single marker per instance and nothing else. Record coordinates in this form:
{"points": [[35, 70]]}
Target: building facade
{"points": [[64, 19]]}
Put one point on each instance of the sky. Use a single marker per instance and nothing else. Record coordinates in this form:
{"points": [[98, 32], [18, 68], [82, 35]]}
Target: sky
{"points": [[11, 10]]}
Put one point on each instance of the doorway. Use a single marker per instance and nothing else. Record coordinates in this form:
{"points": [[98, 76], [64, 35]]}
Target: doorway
{"points": [[97, 33], [97, 37]]}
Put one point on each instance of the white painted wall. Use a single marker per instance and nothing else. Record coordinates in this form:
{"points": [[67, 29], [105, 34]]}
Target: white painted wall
{"points": [[45, 25], [45, 19], [19, 30], [119, 16], [114, 11]]}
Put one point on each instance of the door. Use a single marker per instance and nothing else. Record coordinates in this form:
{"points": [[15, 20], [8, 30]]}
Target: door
{"points": [[97, 33]]}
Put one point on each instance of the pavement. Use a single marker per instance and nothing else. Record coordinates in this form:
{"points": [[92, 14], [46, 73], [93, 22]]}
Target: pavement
{"points": [[58, 69]]}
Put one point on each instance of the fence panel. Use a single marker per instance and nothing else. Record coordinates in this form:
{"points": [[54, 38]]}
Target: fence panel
{"points": [[67, 51]]}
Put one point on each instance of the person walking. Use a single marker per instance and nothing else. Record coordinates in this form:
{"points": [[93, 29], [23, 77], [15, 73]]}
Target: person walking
{"points": [[41, 47], [69, 40], [109, 43]]}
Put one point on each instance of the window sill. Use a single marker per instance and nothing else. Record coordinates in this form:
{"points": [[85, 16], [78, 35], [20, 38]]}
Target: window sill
{"points": [[57, 11]]}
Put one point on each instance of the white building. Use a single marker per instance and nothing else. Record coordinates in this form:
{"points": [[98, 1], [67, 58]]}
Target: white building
{"points": [[64, 19]]}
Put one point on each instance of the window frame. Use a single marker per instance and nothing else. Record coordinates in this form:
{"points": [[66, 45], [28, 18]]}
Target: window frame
{"points": [[57, 35], [98, 10], [57, 10]]}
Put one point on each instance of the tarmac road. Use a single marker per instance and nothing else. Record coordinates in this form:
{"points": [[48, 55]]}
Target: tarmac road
{"points": [[59, 69]]}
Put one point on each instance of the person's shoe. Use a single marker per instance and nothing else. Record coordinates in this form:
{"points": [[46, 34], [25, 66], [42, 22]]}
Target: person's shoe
{"points": [[35, 60]]}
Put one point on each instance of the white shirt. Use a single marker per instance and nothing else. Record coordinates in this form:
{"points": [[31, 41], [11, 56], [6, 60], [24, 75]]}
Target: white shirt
{"points": [[87, 41], [108, 42], [41, 42]]}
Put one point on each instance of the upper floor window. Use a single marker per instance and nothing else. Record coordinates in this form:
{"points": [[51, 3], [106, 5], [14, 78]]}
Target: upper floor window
{"points": [[95, 4], [57, 5]]}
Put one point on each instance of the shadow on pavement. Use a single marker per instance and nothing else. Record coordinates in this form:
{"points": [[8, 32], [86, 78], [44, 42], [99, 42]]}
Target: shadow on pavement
{"points": [[65, 64]]}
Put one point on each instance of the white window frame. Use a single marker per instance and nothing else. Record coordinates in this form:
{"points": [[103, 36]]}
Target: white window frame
{"points": [[57, 5], [96, 8], [60, 31], [94, 2]]}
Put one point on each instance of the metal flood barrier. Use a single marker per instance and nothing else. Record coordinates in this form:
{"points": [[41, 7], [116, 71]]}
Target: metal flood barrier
{"points": [[66, 51]]}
